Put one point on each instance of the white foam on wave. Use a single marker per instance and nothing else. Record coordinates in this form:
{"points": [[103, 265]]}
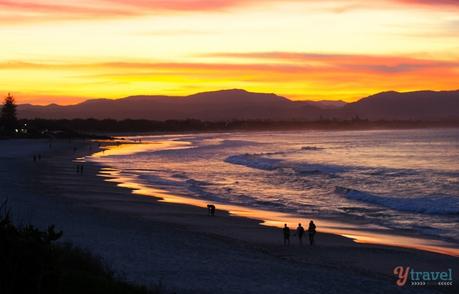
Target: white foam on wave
{"points": [[426, 204]]}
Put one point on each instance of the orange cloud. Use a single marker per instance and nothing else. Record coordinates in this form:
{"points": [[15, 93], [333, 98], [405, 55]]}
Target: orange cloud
{"points": [[295, 75]]}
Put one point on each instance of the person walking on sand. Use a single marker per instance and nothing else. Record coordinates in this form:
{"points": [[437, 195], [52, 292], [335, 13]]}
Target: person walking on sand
{"points": [[312, 232], [300, 233], [286, 231], [211, 209]]}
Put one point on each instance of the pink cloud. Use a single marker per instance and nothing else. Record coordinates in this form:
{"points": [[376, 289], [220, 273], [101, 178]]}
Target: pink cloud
{"points": [[371, 63], [46, 10], [431, 2], [183, 5], [52, 9]]}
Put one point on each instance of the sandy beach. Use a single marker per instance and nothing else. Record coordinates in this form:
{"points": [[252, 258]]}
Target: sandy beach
{"points": [[179, 246]]}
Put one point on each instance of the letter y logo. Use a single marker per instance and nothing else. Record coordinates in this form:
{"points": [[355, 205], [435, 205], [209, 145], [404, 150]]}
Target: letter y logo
{"points": [[402, 274]]}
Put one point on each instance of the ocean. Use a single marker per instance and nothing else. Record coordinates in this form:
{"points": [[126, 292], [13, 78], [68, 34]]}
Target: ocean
{"points": [[403, 180]]}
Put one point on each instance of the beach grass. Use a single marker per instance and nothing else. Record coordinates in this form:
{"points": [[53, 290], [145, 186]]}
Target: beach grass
{"points": [[32, 262]]}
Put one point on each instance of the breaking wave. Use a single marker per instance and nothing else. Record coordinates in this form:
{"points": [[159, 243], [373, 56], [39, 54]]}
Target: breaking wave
{"points": [[255, 161], [426, 204]]}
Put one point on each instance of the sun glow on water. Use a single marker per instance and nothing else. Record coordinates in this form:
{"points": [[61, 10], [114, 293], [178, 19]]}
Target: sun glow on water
{"points": [[371, 200]]}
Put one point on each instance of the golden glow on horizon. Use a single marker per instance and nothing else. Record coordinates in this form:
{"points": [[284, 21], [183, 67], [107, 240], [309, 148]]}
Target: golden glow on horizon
{"points": [[61, 52]]}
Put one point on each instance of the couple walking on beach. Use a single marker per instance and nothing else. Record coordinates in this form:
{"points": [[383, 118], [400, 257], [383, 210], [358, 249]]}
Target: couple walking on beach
{"points": [[299, 233]]}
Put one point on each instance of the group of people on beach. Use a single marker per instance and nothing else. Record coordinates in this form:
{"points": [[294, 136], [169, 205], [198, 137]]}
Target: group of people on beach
{"points": [[286, 230], [300, 233]]}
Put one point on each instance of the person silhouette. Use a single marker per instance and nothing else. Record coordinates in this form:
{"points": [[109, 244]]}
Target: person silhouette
{"points": [[211, 209], [286, 231], [312, 232], [300, 233]]}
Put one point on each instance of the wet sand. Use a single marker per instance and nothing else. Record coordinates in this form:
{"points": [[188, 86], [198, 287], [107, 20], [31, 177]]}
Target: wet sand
{"points": [[181, 247]]}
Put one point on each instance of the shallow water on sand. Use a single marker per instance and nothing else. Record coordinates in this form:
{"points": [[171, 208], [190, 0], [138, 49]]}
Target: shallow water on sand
{"points": [[405, 180]]}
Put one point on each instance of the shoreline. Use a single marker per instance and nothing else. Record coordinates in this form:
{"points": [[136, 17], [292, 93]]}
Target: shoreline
{"points": [[182, 247], [370, 234], [223, 131], [273, 219]]}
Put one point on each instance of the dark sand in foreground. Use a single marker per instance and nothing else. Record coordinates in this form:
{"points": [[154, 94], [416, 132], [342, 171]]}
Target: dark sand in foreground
{"points": [[183, 249]]}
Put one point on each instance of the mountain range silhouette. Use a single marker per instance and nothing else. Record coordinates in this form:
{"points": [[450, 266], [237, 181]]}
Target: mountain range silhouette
{"points": [[243, 105]]}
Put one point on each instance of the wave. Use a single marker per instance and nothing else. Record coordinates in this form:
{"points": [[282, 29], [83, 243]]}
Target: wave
{"points": [[156, 180], [179, 176], [311, 148], [192, 182], [427, 204], [198, 187], [260, 161], [391, 172], [255, 161], [318, 168], [203, 143]]}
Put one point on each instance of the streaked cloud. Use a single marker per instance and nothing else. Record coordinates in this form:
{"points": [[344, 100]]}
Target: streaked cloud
{"points": [[431, 2], [370, 63], [295, 75], [48, 10]]}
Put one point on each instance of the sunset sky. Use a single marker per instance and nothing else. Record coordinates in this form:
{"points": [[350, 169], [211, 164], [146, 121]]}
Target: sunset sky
{"points": [[68, 51]]}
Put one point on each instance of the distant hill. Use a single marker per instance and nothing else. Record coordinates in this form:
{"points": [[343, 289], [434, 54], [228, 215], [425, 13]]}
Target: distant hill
{"points": [[212, 106], [419, 105], [243, 105]]}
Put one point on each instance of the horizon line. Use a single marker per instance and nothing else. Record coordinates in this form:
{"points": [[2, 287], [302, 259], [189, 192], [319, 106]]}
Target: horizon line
{"points": [[232, 89]]}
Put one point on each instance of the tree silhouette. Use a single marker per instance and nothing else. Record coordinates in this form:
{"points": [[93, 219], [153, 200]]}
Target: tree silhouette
{"points": [[8, 120]]}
